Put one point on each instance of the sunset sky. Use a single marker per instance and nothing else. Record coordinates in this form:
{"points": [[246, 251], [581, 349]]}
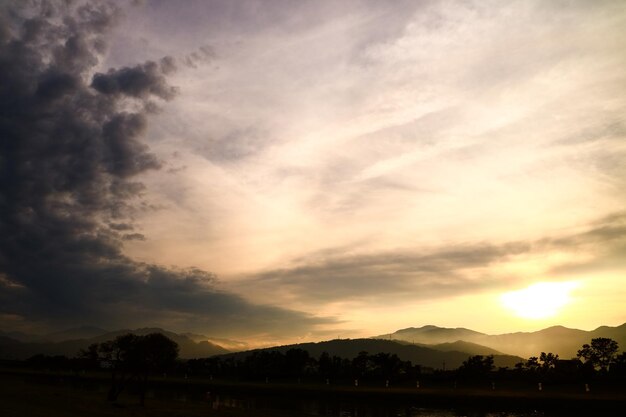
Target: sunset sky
{"points": [[282, 171]]}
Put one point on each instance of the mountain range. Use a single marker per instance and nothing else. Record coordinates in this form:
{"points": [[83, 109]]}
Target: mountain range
{"points": [[557, 339], [428, 345], [22, 346], [429, 356]]}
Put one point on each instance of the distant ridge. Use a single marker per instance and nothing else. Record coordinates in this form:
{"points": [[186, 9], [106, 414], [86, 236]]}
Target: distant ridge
{"points": [[434, 334], [418, 355], [556, 339], [425, 345], [461, 346], [11, 348], [84, 332]]}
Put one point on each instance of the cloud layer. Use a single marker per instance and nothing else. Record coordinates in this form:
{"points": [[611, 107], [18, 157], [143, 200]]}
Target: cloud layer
{"points": [[72, 148], [399, 154], [356, 159], [431, 274]]}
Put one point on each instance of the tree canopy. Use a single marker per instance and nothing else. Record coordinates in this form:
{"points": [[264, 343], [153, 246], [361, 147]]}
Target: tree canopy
{"points": [[477, 366], [600, 353], [132, 358]]}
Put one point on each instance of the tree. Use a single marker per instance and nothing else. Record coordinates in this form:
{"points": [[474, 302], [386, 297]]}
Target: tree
{"points": [[618, 367], [477, 366], [133, 358], [155, 353], [90, 357], [362, 364], [601, 353], [325, 365], [548, 360], [297, 361], [532, 364]]}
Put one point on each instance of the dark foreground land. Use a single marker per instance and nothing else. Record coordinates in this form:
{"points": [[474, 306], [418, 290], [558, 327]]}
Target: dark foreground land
{"points": [[49, 395]]}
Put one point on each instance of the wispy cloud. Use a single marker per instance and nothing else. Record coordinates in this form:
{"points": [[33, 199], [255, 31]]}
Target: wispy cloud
{"points": [[426, 274], [445, 148]]}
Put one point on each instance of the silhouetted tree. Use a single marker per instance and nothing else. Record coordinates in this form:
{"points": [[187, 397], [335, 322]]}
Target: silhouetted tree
{"points": [[90, 356], [362, 364], [131, 357], [386, 365], [53, 363], [618, 367], [532, 364], [548, 360], [154, 353], [297, 361], [325, 365], [600, 353], [477, 366]]}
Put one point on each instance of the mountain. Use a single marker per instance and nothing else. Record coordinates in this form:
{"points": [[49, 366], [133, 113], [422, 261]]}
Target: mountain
{"points": [[11, 348], [461, 346], [228, 344], [21, 336], [420, 355], [84, 332], [557, 339], [195, 337], [433, 334], [189, 349]]}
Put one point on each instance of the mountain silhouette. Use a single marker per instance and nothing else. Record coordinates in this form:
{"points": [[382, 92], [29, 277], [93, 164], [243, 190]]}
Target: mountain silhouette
{"points": [[84, 332], [428, 345], [556, 339], [418, 355], [462, 346], [433, 335], [11, 348]]}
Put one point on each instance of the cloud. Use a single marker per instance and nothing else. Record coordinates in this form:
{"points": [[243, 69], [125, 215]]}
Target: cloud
{"points": [[604, 246], [139, 81], [339, 275], [406, 274], [70, 157]]}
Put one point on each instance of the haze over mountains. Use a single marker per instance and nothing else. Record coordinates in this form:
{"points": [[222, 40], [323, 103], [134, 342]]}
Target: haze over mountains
{"points": [[420, 355], [428, 345], [22, 346], [557, 339]]}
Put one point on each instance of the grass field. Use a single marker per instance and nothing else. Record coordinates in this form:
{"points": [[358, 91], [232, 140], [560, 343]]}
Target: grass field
{"points": [[21, 396], [48, 395]]}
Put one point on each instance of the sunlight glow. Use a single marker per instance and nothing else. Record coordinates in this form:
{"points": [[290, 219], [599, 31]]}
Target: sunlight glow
{"points": [[540, 300]]}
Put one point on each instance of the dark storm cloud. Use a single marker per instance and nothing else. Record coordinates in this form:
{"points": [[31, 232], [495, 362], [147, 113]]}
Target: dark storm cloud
{"points": [[69, 152], [139, 81]]}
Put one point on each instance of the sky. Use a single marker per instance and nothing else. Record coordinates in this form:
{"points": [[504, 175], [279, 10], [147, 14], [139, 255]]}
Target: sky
{"points": [[277, 171]]}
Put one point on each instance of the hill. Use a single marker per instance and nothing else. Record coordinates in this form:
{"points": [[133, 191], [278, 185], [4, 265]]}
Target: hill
{"points": [[461, 346], [557, 339], [433, 335], [419, 355], [84, 332], [11, 348]]}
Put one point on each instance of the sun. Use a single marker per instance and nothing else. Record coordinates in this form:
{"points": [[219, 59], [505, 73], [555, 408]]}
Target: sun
{"points": [[539, 301]]}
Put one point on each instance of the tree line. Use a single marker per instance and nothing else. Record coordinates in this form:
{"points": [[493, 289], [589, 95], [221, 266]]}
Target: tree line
{"points": [[600, 358], [132, 359], [297, 363]]}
